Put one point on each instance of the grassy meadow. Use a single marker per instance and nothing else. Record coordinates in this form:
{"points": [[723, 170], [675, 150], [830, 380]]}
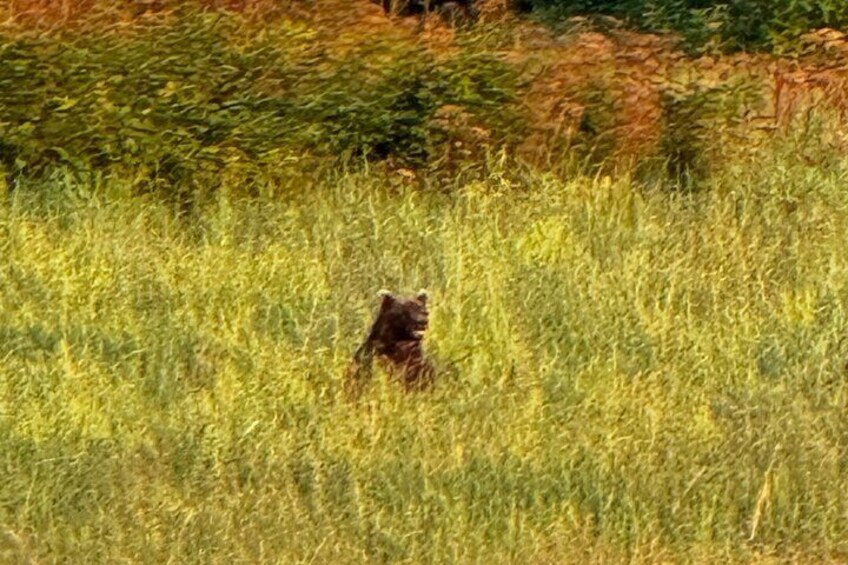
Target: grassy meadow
{"points": [[639, 297], [630, 376]]}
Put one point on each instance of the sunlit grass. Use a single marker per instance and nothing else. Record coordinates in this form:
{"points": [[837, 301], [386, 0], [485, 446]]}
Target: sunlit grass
{"points": [[628, 374]]}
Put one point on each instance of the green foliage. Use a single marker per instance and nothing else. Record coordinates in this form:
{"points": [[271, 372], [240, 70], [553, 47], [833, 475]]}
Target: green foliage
{"points": [[175, 104], [743, 24], [695, 118]]}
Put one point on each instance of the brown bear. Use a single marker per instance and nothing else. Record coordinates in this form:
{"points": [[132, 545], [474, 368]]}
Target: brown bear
{"points": [[396, 341]]}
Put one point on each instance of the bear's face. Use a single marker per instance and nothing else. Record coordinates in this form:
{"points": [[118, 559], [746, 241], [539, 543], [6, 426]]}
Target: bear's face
{"points": [[402, 319]]}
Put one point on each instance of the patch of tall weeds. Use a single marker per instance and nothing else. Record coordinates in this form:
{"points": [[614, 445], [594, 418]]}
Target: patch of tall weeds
{"points": [[174, 104]]}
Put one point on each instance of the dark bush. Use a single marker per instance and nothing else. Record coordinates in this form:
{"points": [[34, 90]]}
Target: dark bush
{"points": [[738, 24]]}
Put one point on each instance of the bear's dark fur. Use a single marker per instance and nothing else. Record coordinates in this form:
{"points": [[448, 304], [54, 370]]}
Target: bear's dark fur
{"points": [[396, 341]]}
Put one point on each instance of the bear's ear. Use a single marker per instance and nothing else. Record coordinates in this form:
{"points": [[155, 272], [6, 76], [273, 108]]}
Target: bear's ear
{"points": [[388, 298], [422, 296]]}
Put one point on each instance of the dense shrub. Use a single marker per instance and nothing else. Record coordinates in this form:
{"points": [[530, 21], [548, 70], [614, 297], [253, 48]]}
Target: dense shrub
{"points": [[176, 101], [740, 24]]}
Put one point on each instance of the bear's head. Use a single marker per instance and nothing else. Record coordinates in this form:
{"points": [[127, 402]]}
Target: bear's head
{"points": [[401, 318]]}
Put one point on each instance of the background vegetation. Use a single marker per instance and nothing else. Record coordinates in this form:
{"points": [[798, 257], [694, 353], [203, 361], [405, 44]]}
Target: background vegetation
{"points": [[171, 99], [739, 24], [637, 265]]}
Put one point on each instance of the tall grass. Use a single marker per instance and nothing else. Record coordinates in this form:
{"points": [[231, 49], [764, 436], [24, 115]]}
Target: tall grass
{"points": [[630, 375]]}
